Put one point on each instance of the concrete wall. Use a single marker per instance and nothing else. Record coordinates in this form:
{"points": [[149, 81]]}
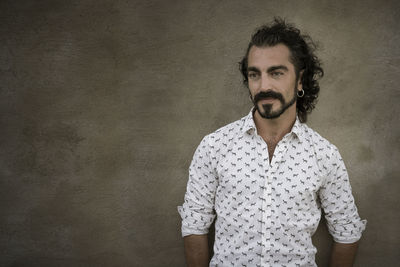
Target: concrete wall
{"points": [[102, 103]]}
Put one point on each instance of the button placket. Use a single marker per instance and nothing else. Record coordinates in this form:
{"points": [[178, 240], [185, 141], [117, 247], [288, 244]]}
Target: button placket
{"points": [[266, 201], [267, 205]]}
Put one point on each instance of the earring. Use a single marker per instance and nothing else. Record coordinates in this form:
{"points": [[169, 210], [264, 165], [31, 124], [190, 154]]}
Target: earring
{"points": [[301, 93]]}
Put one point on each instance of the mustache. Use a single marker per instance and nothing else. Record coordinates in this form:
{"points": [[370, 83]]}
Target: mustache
{"points": [[268, 94]]}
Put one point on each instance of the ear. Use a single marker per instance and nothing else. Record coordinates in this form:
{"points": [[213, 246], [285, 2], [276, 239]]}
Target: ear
{"points": [[299, 83]]}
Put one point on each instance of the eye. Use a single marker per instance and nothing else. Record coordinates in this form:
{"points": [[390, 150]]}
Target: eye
{"points": [[276, 74], [252, 75]]}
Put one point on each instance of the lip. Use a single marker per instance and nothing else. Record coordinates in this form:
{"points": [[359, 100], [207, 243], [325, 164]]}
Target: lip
{"points": [[268, 99]]}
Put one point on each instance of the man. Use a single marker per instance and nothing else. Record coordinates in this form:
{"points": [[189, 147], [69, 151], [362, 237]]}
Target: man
{"points": [[266, 176]]}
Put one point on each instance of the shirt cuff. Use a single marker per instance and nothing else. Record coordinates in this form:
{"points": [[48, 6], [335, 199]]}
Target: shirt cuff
{"points": [[194, 225], [349, 233]]}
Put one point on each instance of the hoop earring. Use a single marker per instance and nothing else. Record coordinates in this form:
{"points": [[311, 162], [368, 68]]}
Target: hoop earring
{"points": [[302, 93]]}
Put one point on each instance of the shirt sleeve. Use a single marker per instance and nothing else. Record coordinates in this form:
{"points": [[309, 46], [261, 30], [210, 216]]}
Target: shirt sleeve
{"points": [[341, 214], [197, 211]]}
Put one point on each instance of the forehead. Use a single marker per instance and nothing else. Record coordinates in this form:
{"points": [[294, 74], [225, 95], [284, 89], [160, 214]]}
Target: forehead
{"points": [[264, 57]]}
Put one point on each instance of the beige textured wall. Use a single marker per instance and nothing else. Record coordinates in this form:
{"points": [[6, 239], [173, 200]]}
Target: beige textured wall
{"points": [[102, 103]]}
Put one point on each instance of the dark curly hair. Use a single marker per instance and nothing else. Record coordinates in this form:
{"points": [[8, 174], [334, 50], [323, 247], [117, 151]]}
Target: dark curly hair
{"points": [[301, 55]]}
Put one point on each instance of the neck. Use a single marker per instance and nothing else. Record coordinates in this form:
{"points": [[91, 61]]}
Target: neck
{"points": [[275, 129]]}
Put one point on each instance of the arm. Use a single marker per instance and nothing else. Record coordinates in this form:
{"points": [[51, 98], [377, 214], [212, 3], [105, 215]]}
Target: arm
{"points": [[197, 211], [196, 250], [343, 255], [344, 223]]}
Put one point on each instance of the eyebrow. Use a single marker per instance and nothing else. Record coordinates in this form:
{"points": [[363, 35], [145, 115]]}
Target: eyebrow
{"points": [[253, 69], [279, 67], [270, 69]]}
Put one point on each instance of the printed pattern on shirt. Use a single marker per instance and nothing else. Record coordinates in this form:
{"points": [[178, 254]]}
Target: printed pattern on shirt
{"points": [[266, 212]]}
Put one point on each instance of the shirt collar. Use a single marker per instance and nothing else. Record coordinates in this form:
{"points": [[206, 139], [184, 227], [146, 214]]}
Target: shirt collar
{"points": [[250, 127]]}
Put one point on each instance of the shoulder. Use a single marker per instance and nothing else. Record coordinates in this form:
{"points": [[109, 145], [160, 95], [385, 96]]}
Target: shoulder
{"points": [[217, 143], [326, 153], [225, 132], [318, 141]]}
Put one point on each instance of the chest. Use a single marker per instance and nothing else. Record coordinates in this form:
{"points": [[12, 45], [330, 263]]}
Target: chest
{"points": [[271, 145], [245, 172]]}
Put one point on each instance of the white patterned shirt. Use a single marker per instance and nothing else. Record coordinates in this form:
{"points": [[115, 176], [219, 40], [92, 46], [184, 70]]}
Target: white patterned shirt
{"points": [[267, 212]]}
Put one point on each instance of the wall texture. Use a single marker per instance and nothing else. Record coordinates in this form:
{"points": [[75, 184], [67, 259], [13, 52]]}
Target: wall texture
{"points": [[103, 102]]}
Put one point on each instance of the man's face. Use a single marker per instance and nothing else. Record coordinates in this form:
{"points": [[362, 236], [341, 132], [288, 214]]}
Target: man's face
{"points": [[272, 80]]}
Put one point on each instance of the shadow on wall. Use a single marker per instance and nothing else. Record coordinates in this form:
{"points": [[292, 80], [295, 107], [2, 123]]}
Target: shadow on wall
{"points": [[383, 218]]}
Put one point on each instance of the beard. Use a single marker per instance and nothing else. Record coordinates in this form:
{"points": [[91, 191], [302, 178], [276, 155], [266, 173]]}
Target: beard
{"points": [[268, 113]]}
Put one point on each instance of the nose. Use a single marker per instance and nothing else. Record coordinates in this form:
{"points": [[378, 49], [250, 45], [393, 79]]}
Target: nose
{"points": [[265, 82]]}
